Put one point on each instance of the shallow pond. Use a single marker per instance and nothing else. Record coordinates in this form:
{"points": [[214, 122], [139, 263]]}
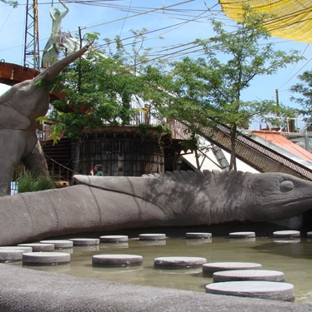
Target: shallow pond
{"points": [[293, 257]]}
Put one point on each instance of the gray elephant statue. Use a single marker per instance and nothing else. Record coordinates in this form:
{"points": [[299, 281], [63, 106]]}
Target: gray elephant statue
{"points": [[19, 109]]}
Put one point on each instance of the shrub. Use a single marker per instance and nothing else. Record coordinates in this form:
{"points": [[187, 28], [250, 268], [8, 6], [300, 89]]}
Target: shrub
{"points": [[30, 182]]}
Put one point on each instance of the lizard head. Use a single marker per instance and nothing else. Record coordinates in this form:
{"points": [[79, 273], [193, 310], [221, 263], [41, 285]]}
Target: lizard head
{"points": [[274, 196]]}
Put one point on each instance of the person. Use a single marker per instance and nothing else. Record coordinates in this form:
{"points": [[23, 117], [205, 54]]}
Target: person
{"points": [[97, 170]]}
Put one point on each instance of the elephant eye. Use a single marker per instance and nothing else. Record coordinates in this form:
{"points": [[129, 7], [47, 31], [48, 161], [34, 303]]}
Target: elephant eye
{"points": [[286, 186]]}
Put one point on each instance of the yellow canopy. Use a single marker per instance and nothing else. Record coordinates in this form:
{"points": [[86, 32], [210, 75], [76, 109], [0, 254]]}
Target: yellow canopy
{"points": [[292, 19]]}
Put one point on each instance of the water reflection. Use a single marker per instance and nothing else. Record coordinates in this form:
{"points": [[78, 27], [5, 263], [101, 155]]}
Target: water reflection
{"points": [[153, 243], [114, 245], [287, 241], [242, 240], [200, 241]]}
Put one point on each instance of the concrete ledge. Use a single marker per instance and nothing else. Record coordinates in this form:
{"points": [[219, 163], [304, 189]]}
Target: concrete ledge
{"points": [[27, 290]]}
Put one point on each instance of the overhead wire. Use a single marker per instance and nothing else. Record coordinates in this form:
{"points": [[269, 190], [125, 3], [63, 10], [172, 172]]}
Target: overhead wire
{"points": [[169, 28], [6, 19], [161, 53], [298, 71], [124, 22]]}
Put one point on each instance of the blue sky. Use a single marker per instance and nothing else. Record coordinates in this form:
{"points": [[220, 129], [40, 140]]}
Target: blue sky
{"points": [[117, 17]]}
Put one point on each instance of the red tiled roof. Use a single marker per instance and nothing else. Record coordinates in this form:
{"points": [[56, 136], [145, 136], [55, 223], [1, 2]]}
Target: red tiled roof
{"points": [[279, 140]]}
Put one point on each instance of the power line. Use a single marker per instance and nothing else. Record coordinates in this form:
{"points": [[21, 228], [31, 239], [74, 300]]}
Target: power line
{"points": [[130, 5]]}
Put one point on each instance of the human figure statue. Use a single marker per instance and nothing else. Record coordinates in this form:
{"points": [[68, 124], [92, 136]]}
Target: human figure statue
{"points": [[52, 48]]}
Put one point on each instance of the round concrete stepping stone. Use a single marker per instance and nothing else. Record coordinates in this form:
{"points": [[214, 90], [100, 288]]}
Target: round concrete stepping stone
{"points": [[194, 235], [11, 255], [178, 262], [255, 289], [24, 249], [116, 260], [46, 258], [38, 246], [286, 234], [59, 244], [151, 236], [114, 238], [248, 275], [242, 235], [85, 241], [309, 234], [210, 268]]}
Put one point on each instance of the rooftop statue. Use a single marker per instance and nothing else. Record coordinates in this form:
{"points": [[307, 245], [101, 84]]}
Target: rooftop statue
{"points": [[52, 48], [181, 198], [20, 107]]}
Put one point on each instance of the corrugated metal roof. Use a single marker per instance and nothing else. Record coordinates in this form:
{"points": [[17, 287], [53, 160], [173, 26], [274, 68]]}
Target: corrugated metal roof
{"points": [[279, 140]]}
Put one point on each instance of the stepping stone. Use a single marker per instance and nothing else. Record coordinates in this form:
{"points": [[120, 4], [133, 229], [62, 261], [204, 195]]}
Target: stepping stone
{"points": [[286, 234], [24, 249], [116, 260], [254, 289], [38, 246], [46, 258], [85, 241], [210, 268], [152, 236], [195, 235], [11, 255], [114, 239], [59, 244], [248, 275], [178, 262], [242, 235]]}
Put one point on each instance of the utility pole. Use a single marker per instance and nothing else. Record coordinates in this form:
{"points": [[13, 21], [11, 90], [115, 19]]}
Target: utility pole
{"points": [[276, 96], [31, 46]]}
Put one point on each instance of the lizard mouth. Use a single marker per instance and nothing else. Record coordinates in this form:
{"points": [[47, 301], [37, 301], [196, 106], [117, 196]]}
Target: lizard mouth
{"points": [[291, 208]]}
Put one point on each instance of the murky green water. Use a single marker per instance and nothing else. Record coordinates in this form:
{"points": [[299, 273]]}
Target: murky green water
{"points": [[292, 258]]}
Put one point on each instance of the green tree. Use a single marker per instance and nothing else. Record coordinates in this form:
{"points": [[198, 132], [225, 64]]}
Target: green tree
{"points": [[208, 90], [14, 4], [304, 91], [97, 90]]}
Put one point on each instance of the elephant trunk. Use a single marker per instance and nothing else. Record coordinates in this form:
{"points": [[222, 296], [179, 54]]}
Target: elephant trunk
{"points": [[52, 71]]}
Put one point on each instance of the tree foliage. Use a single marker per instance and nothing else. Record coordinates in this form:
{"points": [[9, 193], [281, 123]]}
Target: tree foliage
{"points": [[208, 90], [14, 4], [98, 90], [304, 91]]}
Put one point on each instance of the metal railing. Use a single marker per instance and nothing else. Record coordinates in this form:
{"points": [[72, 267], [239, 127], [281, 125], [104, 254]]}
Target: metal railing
{"points": [[257, 155], [58, 171]]}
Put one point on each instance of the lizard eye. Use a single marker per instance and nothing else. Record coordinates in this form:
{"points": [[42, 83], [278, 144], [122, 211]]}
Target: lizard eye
{"points": [[286, 186]]}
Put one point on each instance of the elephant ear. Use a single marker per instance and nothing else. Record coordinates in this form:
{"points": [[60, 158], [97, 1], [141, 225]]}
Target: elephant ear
{"points": [[10, 118]]}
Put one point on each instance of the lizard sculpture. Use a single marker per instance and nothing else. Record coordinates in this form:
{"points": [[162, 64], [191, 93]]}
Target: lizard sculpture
{"points": [[183, 198], [20, 107]]}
